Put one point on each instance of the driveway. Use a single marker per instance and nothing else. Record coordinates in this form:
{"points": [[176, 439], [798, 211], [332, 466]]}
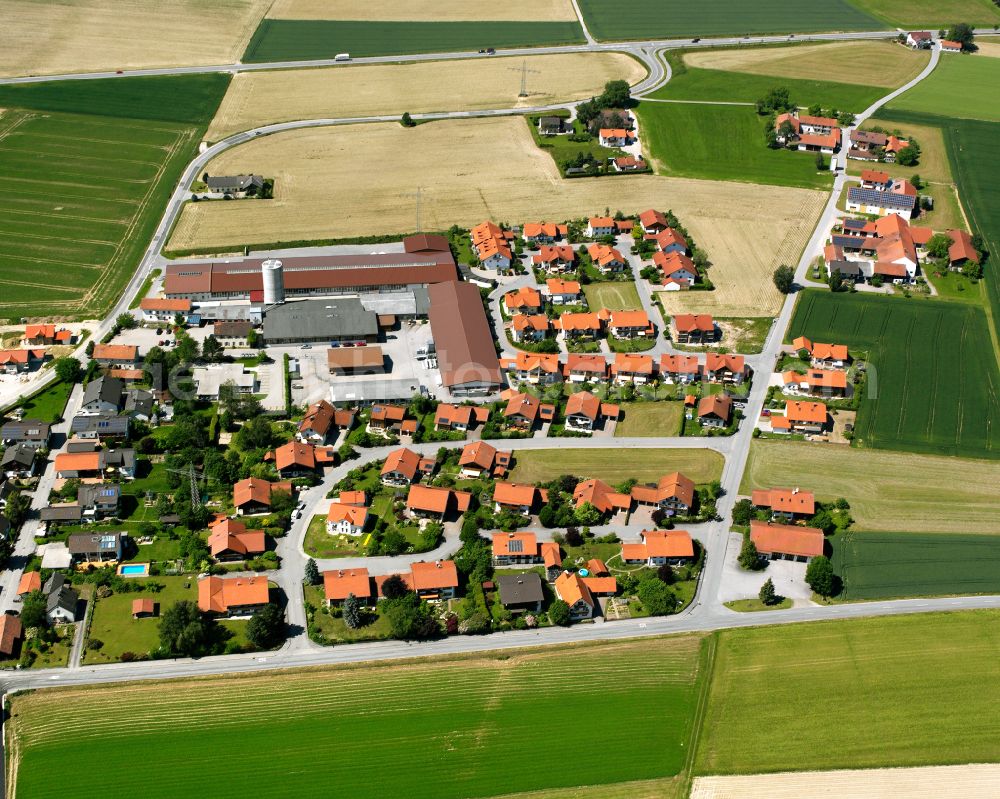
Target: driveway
{"points": [[789, 578]]}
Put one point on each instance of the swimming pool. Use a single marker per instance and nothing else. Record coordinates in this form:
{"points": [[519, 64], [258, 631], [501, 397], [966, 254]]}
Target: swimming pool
{"points": [[133, 569]]}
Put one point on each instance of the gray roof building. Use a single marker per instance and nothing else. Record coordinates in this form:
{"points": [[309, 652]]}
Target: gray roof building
{"points": [[27, 431], [225, 183], [61, 513], [520, 590], [882, 199], [103, 425], [343, 318], [19, 457], [138, 403], [104, 389]]}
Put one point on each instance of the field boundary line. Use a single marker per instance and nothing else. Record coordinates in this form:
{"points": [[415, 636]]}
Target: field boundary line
{"points": [[708, 659]]}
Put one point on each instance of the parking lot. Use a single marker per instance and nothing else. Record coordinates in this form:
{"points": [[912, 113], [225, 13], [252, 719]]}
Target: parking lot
{"points": [[789, 577]]}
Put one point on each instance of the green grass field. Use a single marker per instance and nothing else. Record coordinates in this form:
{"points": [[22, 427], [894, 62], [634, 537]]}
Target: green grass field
{"points": [[48, 405], [694, 83], [85, 171], [892, 691], [613, 296], [932, 13], [952, 495], [937, 380], [889, 565], [440, 730], [650, 419], [648, 465], [287, 39], [718, 142], [961, 86], [669, 19]]}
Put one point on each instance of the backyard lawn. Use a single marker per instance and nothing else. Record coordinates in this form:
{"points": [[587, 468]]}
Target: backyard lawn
{"points": [[335, 630], [652, 419], [48, 406], [645, 465], [319, 543]]}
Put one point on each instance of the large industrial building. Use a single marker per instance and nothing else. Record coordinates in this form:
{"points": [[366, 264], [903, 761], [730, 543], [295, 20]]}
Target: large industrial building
{"points": [[339, 319], [466, 354]]}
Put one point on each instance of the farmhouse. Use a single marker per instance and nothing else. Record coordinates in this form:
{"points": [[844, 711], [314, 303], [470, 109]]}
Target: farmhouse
{"points": [[867, 145], [236, 185], [606, 259], [479, 459], [948, 46], [725, 368], [898, 197], [584, 412], [572, 590], [554, 258], [808, 133], [459, 417], [715, 410], [253, 496], [674, 494], [155, 309], [466, 356], [232, 596], [694, 329], [562, 292], [919, 40], [586, 368], [785, 504], [786, 542], [229, 540], [680, 368], [338, 584], [658, 547], [124, 356], [343, 519], [521, 593], [436, 503], [232, 334], [543, 232], [631, 368]]}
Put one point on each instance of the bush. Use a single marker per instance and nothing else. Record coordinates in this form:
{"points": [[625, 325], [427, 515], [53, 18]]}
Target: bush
{"points": [[749, 558], [820, 577], [559, 613]]}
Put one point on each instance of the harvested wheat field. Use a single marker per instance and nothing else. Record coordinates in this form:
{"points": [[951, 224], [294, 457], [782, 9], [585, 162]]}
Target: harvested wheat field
{"points": [[744, 251], [474, 169], [886, 64], [260, 98], [915, 493], [974, 781], [426, 10], [46, 38], [989, 46]]}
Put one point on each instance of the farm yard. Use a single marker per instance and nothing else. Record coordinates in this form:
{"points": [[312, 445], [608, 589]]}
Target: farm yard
{"points": [[972, 781], [967, 88], [744, 228], [670, 19], [540, 10], [859, 693], [720, 142], [311, 39], [952, 495], [95, 35], [466, 709], [890, 565], [81, 194], [260, 98], [938, 386], [534, 466]]}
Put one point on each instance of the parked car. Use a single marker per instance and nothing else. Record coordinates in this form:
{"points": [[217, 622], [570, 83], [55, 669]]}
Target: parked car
{"points": [[307, 346]]}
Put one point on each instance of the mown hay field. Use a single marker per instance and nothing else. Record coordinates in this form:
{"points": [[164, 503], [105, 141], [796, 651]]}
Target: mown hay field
{"points": [[81, 193], [442, 10], [306, 39], [966, 87], [972, 781], [471, 170], [890, 565], [919, 493], [648, 465], [670, 19], [911, 690], [891, 64], [261, 98], [437, 730], [934, 387], [46, 38]]}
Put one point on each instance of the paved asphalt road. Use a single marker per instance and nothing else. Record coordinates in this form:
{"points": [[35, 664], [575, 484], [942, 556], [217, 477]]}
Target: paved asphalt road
{"points": [[706, 613]]}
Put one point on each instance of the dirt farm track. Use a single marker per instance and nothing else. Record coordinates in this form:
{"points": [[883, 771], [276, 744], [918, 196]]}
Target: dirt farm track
{"points": [[359, 180], [975, 781]]}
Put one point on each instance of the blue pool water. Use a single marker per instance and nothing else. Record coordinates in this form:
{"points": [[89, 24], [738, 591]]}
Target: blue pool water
{"points": [[133, 570]]}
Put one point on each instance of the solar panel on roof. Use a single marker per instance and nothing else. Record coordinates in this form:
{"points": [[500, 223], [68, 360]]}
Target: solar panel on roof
{"points": [[515, 546], [881, 198]]}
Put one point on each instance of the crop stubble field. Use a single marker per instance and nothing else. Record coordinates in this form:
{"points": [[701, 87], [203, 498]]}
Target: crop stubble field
{"points": [[260, 98], [540, 10], [972, 781], [936, 376], [471, 170], [862, 693], [920, 493], [649, 465], [44, 38], [84, 173], [440, 730]]}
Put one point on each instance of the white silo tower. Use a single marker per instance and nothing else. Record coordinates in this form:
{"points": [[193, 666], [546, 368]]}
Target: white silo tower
{"points": [[274, 282]]}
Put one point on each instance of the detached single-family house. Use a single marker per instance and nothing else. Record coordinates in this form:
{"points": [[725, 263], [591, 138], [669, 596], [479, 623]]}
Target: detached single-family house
{"points": [[607, 259], [101, 427], [674, 494], [785, 504], [563, 292], [801, 417], [572, 590], [535, 368], [18, 461], [235, 185], [460, 417], [104, 395], [786, 542], [715, 410], [515, 549], [99, 500], [824, 356], [316, 424], [96, 547], [553, 126], [694, 329], [653, 221], [386, 418], [492, 245], [598, 226], [601, 496], [14, 362], [948, 46], [680, 368], [615, 137], [296, 459], [585, 412], [628, 163], [658, 547], [434, 579], [821, 382], [670, 240], [725, 368], [543, 232], [676, 266], [229, 540], [47, 335], [432, 502], [586, 325], [123, 356], [919, 40], [33, 432], [517, 497], [401, 467], [526, 300], [630, 324], [530, 328], [585, 368], [632, 368], [345, 519], [252, 496], [338, 584], [554, 257], [233, 596], [479, 459], [808, 133], [521, 593], [61, 600]]}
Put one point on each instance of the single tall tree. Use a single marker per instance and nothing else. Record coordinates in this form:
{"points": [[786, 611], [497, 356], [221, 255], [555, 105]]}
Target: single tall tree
{"points": [[749, 556], [33, 610], [68, 369], [767, 594], [784, 279], [820, 577], [312, 576], [266, 628], [352, 612], [559, 613]]}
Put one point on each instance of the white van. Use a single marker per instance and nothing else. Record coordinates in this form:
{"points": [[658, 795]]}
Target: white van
{"points": [[342, 57]]}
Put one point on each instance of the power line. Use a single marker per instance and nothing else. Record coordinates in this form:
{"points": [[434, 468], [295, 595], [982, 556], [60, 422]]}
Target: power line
{"points": [[523, 69]]}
